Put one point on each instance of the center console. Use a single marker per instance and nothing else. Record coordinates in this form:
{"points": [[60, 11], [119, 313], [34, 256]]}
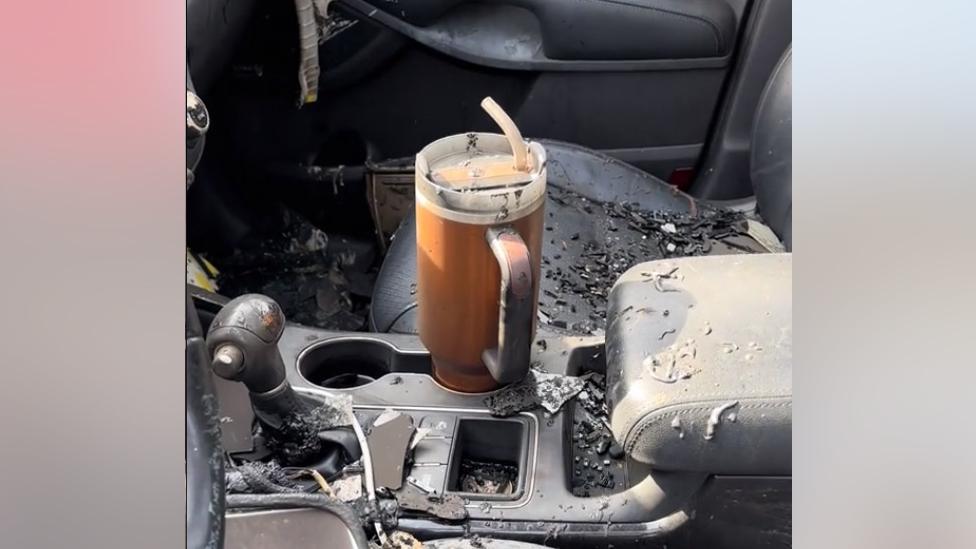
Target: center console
{"points": [[578, 477], [392, 371], [556, 484]]}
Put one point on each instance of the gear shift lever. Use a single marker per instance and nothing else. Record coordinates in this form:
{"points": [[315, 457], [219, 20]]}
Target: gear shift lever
{"points": [[243, 346]]}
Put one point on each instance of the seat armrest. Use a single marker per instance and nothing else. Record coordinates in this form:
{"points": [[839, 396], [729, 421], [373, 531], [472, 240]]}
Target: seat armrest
{"points": [[699, 363]]}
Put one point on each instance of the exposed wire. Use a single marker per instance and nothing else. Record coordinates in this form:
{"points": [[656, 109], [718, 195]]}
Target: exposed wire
{"points": [[368, 476], [321, 482]]}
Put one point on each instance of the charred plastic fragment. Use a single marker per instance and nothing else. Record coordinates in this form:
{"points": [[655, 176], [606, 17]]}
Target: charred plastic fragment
{"points": [[388, 441], [597, 459], [537, 389], [445, 506]]}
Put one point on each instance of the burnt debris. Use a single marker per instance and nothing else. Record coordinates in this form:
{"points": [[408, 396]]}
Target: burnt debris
{"points": [[598, 468], [296, 440], [318, 279], [411, 497], [593, 397], [255, 477], [486, 477], [537, 389], [591, 244]]}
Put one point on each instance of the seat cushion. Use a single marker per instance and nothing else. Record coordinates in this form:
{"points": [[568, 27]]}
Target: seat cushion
{"points": [[590, 239]]}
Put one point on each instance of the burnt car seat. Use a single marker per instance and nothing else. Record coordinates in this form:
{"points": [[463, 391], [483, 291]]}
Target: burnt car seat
{"points": [[596, 221]]}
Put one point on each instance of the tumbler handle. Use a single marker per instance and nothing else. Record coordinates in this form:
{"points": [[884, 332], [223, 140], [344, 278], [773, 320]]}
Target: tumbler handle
{"points": [[509, 362]]}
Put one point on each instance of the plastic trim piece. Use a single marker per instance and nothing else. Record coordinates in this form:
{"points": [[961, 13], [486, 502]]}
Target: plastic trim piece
{"points": [[618, 534]]}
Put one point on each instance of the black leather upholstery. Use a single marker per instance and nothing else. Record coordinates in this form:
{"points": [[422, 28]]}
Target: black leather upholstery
{"points": [[771, 164], [393, 308], [709, 386]]}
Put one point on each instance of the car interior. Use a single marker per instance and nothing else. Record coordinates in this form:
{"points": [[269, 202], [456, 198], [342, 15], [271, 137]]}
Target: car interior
{"points": [[656, 411]]}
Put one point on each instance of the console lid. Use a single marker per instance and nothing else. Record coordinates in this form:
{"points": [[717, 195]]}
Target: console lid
{"points": [[699, 363]]}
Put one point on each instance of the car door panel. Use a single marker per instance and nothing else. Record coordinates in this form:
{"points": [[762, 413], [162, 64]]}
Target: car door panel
{"points": [[551, 34], [637, 79]]}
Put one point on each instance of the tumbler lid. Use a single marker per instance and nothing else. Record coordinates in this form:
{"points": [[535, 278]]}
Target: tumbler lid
{"points": [[471, 178], [482, 178]]}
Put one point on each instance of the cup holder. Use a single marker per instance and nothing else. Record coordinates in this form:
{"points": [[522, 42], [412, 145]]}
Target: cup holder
{"points": [[350, 362], [349, 379]]}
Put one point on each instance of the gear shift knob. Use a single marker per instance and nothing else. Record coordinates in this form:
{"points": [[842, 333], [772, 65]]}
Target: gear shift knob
{"points": [[243, 343]]}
